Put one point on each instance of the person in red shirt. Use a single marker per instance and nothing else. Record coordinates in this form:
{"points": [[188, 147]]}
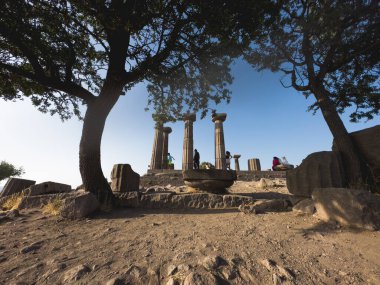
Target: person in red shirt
{"points": [[275, 163]]}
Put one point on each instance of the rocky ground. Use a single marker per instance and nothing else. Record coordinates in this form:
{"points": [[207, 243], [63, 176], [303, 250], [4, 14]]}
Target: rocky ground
{"points": [[140, 246]]}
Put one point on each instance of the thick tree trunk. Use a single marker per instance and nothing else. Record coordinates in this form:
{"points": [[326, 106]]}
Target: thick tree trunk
{"points": [[90, 144], [357, 172]]}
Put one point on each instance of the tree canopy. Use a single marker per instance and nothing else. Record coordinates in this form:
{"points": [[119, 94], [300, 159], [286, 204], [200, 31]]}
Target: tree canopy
{"points": [[61, 53], [331, 43], [7, 170], [329, 49]]}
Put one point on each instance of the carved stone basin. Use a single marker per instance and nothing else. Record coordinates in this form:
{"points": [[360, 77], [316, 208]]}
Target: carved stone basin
{"points": [[209, 180]]}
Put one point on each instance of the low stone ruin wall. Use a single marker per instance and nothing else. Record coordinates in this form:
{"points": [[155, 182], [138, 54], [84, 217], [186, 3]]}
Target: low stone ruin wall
{"points": [[174, 177], [181, 201]]}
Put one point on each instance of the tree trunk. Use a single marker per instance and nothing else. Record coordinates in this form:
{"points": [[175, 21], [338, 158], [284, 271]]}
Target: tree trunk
{"points": [[357, 172], [90, 144]]}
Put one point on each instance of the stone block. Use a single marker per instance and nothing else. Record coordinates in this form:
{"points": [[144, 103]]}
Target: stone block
{"points": [[305, 206], [318, 170], [124, 179], [15, 185], [349, 207], [367, 141], [47, 188], [234, 201], [128, 199], [39, 201], [156, 200], [79, 205]]}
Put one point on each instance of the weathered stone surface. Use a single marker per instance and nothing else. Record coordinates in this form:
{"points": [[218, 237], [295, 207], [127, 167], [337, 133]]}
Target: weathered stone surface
{"points": [[234, 201], [48, 187], [129, 199], [79, 205], [195, 278], [156, 200], [305, 206], [76, 273], [15, 185], [33, 247], [28, 202], [318, 170], [124, 179], [367, 141], [263, 206], [212, 262], [209, 180], [115, 281], [349, 207]]}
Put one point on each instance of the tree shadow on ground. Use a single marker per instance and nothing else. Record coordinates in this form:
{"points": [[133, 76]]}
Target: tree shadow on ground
{"points": [[329, 228], [264, 195], [125, 213]]}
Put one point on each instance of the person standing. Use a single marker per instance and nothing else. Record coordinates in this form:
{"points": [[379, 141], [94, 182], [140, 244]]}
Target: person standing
{"points": [[170, 161], [228, 160], [196, 159]]}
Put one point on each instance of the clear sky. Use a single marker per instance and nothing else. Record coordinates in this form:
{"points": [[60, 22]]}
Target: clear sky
{"points": [[263, 120]]}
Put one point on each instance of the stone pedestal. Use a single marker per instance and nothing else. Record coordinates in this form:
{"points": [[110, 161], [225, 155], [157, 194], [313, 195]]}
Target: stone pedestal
{"points": [[187, 156], [220, 150], [165, 146], [209, 180], [236, 158], [156, 162], [254, 164]]}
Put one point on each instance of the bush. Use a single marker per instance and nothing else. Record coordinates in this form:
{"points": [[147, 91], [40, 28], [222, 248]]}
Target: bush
{"points": [[206, 165]]}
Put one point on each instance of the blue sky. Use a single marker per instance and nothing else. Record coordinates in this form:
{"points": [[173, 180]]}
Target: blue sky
{"points": [[263, 120]]}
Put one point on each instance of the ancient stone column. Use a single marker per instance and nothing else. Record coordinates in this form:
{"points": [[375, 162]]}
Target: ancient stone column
{"points": [[187, 156], [236, 158], [156, 162], [220, 150], [165, 146], [254, 164]]}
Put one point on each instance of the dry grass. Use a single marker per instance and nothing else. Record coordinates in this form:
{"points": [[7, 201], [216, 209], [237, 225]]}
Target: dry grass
{"points": [[13, 201], [53, 207]]}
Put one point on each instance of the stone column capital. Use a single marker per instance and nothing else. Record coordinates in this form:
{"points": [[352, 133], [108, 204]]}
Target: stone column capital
{"points": [[189, 117], [167, 130], [219, 117], [237, 156]]}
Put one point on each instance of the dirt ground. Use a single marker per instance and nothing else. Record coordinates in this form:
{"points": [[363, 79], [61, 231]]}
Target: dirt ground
{"points": [[140, 246]]}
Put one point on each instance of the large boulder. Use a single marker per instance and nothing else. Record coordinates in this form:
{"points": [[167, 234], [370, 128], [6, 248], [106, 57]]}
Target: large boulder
{"points": [[48, 187], [349, 207], [367, 141], [318, 170], [79, 205], [124, 179], [15, 185]]}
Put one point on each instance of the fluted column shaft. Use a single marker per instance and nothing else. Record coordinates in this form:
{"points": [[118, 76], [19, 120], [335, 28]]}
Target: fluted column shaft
{"points": [[165, 146], [156, 162], [236, 158], [187, 155], [220, 149]]}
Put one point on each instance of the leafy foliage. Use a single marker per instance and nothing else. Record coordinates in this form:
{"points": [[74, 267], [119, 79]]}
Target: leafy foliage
{"points": [[59, 53], [328, 45], [7, 170]]}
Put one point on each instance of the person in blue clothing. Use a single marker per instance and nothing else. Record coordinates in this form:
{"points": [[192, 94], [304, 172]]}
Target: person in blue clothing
{"points": [[170, 161]]}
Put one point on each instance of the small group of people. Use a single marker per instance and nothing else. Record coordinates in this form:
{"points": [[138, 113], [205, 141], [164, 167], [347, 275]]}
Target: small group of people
{"points": [[281, 164], [196, 159]]}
